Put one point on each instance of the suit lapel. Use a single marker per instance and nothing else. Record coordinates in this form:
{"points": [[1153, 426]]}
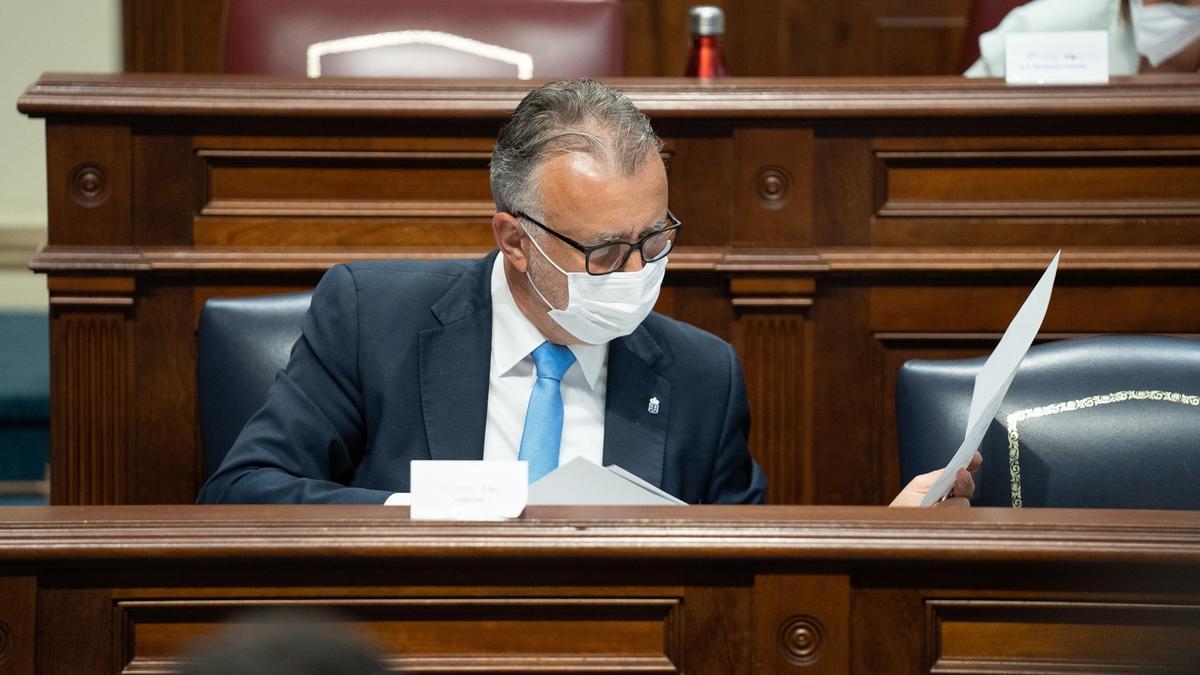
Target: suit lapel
{"points": [[637, 407], [455, 358]]}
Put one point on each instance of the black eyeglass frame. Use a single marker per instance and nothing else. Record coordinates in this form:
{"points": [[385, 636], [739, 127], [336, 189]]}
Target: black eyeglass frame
{"points": [[588, 250]]}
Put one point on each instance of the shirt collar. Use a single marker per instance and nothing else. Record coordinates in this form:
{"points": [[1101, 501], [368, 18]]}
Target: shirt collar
{"points": [[514, 336]]}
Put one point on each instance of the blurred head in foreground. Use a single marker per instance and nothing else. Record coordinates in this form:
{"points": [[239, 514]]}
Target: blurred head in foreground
{"points": [[284, 642]]}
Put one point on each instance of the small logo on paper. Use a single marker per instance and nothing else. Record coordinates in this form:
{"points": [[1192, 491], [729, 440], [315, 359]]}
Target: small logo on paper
{"points": [[653, 407]]}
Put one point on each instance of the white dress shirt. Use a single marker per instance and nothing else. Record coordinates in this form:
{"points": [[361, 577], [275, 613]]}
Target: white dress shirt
{"points": [[510, 382]]}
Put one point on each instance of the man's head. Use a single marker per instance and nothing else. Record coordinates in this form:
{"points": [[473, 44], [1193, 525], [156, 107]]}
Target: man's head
{"points": [[578, 159]]}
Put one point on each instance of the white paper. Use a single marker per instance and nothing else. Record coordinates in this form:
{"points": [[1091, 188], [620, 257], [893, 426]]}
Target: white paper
{"points": [[580, 482], [644, 485], [1073, 57], [993, 380], [468, 489]]}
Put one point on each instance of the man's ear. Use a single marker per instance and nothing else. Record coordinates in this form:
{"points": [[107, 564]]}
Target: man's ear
{"points": [[509, 233]]}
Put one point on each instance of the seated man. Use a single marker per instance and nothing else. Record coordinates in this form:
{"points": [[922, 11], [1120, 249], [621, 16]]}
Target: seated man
{"points": [[546, 350]]}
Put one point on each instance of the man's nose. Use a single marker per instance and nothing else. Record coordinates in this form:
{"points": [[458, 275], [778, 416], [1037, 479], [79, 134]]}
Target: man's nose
{"points": [[634, 263]]}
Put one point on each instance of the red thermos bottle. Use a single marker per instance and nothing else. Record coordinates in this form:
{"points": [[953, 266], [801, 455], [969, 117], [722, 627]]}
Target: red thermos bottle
{"points": [[707, 25]]}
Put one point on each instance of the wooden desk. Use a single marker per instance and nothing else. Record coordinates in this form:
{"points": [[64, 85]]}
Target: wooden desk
{"points": [[833, 229], [701, 589]]}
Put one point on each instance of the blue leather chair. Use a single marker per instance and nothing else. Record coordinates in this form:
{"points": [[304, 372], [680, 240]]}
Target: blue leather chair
{"points": [[242, 345], [1105, 422]]}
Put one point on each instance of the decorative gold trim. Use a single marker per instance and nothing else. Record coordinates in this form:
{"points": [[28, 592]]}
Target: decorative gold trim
{"points": [[521, 60], [1014, 447]]}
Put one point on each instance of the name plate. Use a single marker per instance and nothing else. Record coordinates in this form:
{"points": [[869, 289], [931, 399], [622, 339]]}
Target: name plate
{"points": [[468, 490], [1075, 57]]}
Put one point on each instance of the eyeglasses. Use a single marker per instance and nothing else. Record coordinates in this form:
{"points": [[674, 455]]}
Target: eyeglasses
{"points": [[604, 259]]}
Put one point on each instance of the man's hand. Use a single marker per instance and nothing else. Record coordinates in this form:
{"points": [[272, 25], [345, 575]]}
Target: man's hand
{"points": [[960, 495]]}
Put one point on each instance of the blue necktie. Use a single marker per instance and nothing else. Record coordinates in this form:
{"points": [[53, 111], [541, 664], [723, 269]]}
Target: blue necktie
{"points": [[544, 418]]}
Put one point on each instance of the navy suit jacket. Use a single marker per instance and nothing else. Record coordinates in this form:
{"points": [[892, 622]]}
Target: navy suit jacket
{"points": [[392, 365]]}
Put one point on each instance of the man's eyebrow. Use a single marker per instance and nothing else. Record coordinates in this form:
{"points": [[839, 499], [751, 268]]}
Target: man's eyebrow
{"points": [[659, 224], [607, 239]]}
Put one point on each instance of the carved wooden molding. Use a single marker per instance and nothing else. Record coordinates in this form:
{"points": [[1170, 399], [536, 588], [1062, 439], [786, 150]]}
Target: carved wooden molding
{"points": [[18, 623], [89, 412], [91, 293], [201, 95], [57, 260], [776, 353], [800, 640], [774, 292], [385, 204], [1153, 182], [1115, 632], [644, 627], [632, 533]]}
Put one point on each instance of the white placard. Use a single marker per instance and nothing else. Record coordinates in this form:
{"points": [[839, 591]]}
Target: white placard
{"points": [[468, 490], [1075, 57], [993, 379]]}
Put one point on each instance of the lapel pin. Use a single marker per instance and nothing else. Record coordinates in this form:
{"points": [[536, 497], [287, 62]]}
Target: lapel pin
{"points": [[653, 407]]}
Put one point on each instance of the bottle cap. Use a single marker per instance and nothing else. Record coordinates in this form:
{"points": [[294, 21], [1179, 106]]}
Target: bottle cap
{"points": [[706, 20]]}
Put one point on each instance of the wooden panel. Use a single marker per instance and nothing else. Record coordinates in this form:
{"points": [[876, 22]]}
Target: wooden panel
{"points": [[1044, 637], [1047, 183], [173, 36], [89, 178], [861, 37], [776, 353], [906, 37], [1145, 307], [774, 184], [164, 189], [656, 37], [90, 411], [721, 612], [18, 624], [888, 633], [75, 624], [700, 194], [343, 182], [165, 441], [848, 393], [708, 589], [435, 633], [802, 624]]}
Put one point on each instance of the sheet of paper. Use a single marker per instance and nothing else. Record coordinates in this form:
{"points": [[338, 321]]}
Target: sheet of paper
{"points": [[644, 485], [993, 380], [580, 482], [1071, 57], [468, 490]]}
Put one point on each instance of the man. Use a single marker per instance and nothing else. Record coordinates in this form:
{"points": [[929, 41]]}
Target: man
{"points": [[546, 350]]}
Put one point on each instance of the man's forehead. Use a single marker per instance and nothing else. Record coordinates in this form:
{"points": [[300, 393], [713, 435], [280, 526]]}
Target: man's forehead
{"points": [[573, 185]]}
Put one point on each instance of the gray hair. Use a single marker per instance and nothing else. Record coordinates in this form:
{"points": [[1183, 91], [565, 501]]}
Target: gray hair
{"points": [[566, 116]]}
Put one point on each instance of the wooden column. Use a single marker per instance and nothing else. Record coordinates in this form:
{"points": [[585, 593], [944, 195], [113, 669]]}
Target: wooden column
{"points": [[90, 371]]}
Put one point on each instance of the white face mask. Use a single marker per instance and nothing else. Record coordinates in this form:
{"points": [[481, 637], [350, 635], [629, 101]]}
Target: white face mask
{"points": [[601, 309], [1163, 30]]}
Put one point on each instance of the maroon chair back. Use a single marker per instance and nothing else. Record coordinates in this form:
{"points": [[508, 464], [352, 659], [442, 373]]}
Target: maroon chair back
{"points": [[425, 38], [985, 15]]}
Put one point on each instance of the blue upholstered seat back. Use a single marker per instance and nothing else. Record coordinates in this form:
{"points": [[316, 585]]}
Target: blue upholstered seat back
{"points": [[242, 345], [1110, 421]]}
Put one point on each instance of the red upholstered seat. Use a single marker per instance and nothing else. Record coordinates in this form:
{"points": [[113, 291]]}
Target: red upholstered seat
{"points": [[985, 15], [425, 38]]}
